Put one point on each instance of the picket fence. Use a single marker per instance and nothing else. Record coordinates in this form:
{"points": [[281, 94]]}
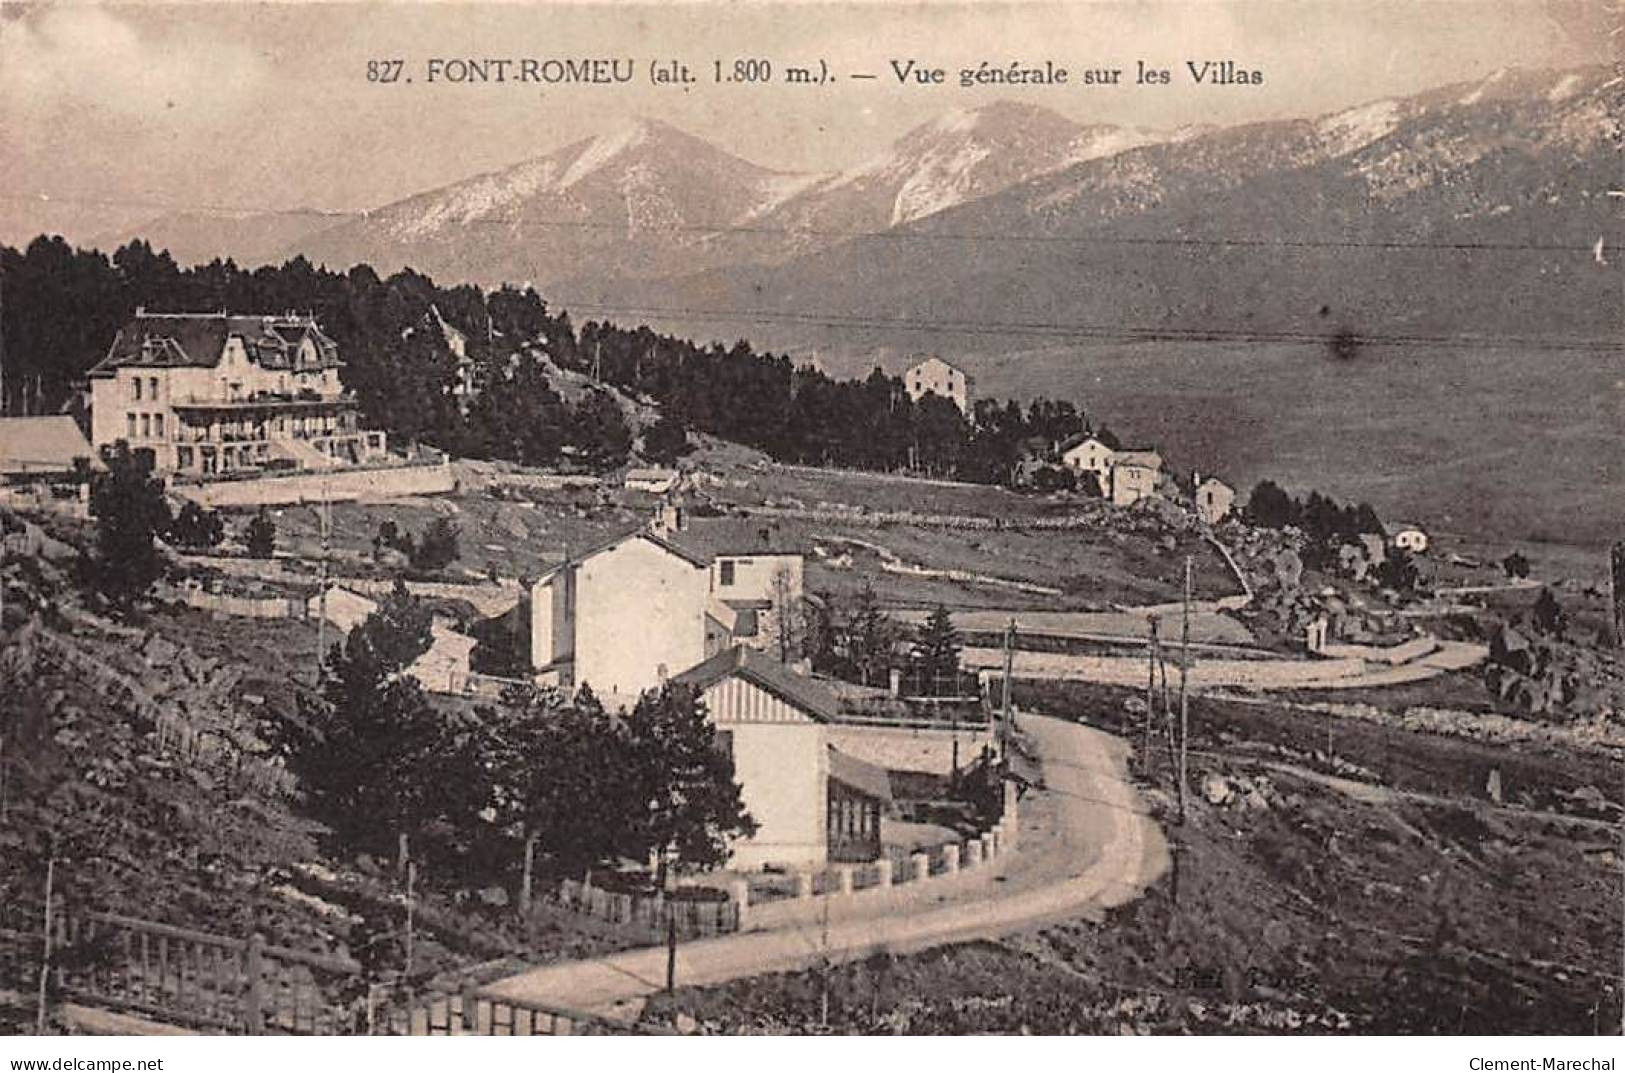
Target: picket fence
{"points": [[226, 985]]}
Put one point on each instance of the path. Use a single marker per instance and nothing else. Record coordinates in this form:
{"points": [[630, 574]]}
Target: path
{"points": [[1346, 672], [1101, 852]]}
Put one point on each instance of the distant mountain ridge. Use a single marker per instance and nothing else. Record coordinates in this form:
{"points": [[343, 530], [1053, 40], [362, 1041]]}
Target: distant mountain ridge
{"points": [[1473, 209], [647, 200]]}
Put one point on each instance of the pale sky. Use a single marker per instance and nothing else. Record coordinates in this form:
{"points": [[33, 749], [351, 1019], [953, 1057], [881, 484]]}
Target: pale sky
{"points": [[268, 105]]}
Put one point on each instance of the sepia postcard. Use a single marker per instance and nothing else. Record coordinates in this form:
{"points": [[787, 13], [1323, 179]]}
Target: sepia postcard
{"points": [[813, 518]]}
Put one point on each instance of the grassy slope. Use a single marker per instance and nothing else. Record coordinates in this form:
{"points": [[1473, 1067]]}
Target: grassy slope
{"points": [[1499, 442]]}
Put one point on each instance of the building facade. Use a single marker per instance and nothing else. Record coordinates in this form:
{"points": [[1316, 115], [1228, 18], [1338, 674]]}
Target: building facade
{"points": [[1090, 455], [933, 376], [1408, 536], [1214, 500], [761, 593], [1134, 476], [621, 618], [213, 393], [811, 803]]}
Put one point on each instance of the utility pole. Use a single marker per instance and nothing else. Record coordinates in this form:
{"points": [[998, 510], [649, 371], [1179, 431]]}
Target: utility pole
{"points": [[1150, 690], [1184, 673], [1009, 661], [322, 522], [45, 950], [411, 884], [670, 886]]}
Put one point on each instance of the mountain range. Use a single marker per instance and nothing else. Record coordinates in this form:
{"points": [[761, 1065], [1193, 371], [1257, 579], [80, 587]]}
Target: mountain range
{"points": [[1439, 275], [1474, 211]]}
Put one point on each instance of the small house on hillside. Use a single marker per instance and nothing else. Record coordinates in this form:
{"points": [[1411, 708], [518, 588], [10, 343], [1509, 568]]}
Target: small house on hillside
{"points": [[1214, 499], [811, 803], [1134, 476], [656, 481], [1408, 536], [1089, 454], [933, 376]]}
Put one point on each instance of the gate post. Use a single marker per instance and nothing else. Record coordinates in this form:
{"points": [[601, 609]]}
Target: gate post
{"points": [[254, 969]]}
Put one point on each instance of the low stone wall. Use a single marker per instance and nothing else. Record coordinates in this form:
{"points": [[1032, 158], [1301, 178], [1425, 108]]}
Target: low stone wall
{"points": [[924, 749], [244, 606], [312, 487], [844, 889], [1205, 674], [648, 914]]}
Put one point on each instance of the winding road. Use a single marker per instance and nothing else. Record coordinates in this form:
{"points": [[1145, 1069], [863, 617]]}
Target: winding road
{"points": [[1086, 844]]}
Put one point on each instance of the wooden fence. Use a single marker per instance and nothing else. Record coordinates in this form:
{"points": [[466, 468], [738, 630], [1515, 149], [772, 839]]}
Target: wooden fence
{"points": [[198, 980], [483, 1012], [226, 985]]}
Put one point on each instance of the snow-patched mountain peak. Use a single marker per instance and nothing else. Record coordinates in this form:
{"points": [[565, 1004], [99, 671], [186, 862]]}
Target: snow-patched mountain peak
{"points": [[1344, 132], [604, 148]]}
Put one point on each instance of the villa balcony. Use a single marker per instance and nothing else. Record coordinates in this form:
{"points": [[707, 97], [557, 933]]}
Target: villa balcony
{"points": [[264, 401]]}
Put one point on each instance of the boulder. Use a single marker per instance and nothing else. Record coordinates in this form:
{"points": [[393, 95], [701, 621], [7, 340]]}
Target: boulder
{"points": [[1217, 789]]}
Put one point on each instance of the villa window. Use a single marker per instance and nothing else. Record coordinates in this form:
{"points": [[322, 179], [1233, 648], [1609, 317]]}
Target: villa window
{"points": [[158, 425], [727, 568], [137, 383], [146, 426], [130, 421], [152, 387]]}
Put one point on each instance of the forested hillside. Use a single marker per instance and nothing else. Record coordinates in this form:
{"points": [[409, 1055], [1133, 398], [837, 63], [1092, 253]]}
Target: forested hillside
{"points": [[64, 306]]}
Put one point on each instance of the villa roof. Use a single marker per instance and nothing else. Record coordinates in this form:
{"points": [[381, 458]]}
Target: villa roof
{"points": [[798, 690], [1138, 457], [41, 444], [642, 533], [196, 340], [1079, 439], [868, 779]]}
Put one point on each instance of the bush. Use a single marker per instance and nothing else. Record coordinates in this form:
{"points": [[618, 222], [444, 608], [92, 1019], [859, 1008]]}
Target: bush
{"points": [[195, 527], [438, 547], [261, 536]]}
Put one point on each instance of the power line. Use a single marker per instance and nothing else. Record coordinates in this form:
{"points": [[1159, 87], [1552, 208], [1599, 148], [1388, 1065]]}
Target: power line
{"points": [[1100, 332]]}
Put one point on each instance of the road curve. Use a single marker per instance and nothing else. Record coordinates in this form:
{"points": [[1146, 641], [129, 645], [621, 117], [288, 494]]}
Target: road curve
{"points": [[1114, 847]]}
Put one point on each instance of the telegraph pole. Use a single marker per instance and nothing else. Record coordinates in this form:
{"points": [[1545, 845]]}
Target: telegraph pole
{"points": [[1184, 672], [670, 886], [45, 956], [322, 521], [1009, 661], [1150, 690], [411, 883]]}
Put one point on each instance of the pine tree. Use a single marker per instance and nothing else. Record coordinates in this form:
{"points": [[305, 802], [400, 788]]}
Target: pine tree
{"points": [[374, 760], [438, 547], [681, 782], [562, 778], [261, 536], [936, 648], [870, 636], [129, 507]]}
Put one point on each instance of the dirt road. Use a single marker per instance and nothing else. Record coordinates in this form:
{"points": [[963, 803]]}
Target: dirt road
{"points": [[1103, 851]]}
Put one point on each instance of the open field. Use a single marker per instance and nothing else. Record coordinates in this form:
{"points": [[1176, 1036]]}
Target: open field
{"points": [[909, 566], [1496, 442]]}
